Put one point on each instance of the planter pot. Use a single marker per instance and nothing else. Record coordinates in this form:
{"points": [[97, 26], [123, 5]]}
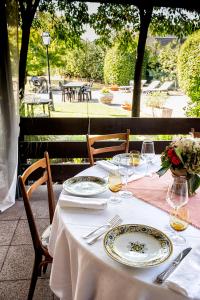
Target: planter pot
{"points": [[114, 88], [106, 98]]}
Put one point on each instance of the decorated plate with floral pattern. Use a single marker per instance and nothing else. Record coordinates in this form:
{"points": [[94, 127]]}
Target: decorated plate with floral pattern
{"points": [[85, 185], [137, 245]]}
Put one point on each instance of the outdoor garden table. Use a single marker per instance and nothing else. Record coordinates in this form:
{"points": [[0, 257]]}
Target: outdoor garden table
{"points": [[43, 102], [85, 272], [74, 85]]}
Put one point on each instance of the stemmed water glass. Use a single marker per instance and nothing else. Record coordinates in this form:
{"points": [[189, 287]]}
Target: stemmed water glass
{"points": [[115, 185], [126, 164], [177, 197], [148, 153]]}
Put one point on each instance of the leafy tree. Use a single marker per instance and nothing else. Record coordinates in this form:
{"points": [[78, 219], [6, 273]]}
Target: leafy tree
{"points": [[189, 72], [69, 28], [120, 63], [111, 18], [162, 61], [85, 61]]}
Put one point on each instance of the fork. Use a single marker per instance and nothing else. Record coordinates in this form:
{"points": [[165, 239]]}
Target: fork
{"points": [[92, 241], [110, 223]]}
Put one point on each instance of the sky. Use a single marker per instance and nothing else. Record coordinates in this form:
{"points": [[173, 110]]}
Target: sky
{"points": [[90, 34]]}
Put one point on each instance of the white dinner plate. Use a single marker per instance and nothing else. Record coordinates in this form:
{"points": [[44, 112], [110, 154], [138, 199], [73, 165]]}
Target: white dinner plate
{"points": [[137, 245], [85, 185]]}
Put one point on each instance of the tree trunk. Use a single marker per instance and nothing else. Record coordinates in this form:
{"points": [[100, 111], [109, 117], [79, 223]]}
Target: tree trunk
{"points": [[145, 18], [23, 59], [27, 11]]}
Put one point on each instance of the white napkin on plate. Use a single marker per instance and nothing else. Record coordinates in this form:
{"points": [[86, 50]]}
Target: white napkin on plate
{"points": [[186, 277], [81, 202], [106, 165]]}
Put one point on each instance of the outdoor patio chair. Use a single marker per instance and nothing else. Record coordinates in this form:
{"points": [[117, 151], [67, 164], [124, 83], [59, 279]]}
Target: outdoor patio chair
{"points": [[123, 147], [165, 87], [151, 87], [42, 256], [195, 134], [87, 91]]}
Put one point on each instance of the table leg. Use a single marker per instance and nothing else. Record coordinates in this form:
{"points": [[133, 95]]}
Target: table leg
{"points": [[43, 108], [32, 111]]}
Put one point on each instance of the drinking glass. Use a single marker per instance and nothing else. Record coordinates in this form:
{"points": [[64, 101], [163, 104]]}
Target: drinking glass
{"points": [[135, 156], [177, 197], [115, 185], [126, 165], [148, 153]]}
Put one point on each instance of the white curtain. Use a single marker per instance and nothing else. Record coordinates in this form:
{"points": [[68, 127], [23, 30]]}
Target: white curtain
{"points": [[9, 116]]}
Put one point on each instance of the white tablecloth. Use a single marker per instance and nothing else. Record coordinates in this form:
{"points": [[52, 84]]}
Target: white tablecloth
{"points": [[83, 272]]}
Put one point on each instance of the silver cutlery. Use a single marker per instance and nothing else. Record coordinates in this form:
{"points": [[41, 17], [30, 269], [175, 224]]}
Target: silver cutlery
{"points": [[93, 240], [164, 275], [108, 224]]}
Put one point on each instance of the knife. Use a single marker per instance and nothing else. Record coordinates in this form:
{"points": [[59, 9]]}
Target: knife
{"points": [[164, 275]]}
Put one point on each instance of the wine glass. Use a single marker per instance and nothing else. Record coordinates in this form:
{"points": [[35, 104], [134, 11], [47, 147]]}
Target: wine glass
{"points": [[135, 156], [177, 197], [115, 185], [126, 165], [148, 153]]}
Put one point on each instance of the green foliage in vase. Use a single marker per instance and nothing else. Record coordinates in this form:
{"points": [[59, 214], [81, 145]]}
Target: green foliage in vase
{"points": [[189, 72]]}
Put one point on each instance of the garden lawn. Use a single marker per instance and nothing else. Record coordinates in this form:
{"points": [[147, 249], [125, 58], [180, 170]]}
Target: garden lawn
{"points": [[77, 109]]}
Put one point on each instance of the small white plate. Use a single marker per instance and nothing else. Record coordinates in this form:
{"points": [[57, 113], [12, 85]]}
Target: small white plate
{"points": [[85, 185], [137, 245]]}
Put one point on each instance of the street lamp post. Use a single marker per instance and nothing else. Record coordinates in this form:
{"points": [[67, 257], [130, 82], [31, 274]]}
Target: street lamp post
{"points": [[46, 41]]}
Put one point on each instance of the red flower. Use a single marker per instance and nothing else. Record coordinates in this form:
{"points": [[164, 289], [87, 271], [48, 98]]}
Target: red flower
{"points": [[170, 152], [175, 160]]}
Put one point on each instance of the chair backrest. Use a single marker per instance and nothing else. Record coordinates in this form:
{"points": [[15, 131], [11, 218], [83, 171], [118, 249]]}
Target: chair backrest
{"points": [[27, 192], [123, 147], [195, 134], [166, 86], [152, 85]]}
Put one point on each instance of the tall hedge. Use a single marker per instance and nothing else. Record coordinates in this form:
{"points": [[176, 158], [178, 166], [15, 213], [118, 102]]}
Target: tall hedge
{"points": [[189, 69], [119, 65]]}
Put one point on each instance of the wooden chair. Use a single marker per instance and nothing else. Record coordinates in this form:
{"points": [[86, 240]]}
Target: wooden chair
{"points": [[42, 257], [195, 134], [123, 147]]}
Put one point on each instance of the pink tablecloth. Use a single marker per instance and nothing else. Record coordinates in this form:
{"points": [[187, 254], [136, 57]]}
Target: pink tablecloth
{"points": [[154, 189]]}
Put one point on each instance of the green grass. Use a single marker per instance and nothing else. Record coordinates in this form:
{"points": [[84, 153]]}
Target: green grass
{"points": [[77, 110]]}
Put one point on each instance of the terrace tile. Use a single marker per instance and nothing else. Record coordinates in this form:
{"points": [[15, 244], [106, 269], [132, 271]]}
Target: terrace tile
{"points": [[22, 234], [14, 212], [18, 290], [18, 263], [3, 252], [7, 229]]}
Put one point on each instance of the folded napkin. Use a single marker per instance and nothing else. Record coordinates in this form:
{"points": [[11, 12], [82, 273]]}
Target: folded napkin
{"points": [[186, 277], [106, 165], [82, 202]]}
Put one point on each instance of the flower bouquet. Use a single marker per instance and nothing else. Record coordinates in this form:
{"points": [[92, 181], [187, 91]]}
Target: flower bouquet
{"points": [[182, 157]]}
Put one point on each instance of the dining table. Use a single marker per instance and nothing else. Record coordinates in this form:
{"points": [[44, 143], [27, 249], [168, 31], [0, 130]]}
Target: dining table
{"points": [[85, 272]]}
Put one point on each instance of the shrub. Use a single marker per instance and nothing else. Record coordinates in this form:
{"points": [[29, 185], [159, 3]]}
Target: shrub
{"points": [[189, 71], [156, 100], [119, 65]]}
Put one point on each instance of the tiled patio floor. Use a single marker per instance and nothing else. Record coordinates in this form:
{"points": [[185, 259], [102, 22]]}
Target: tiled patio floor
{"points": [[16, 250]]}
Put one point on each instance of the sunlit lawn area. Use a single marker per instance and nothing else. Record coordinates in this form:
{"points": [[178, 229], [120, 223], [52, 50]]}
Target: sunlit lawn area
{"points": [[77, 109]]}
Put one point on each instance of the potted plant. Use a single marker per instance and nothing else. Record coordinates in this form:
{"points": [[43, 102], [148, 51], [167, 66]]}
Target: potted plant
{"points": [[114, 87], [156, 101], [106, 97]]}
